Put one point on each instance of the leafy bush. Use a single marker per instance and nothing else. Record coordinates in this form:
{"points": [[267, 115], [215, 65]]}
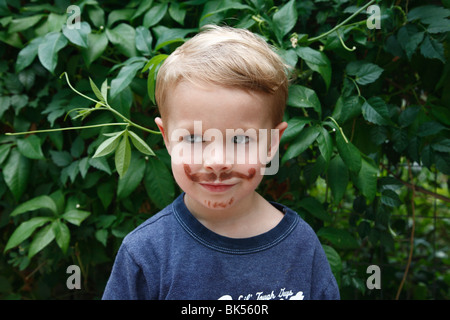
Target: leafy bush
{"points": [[364, 160]]}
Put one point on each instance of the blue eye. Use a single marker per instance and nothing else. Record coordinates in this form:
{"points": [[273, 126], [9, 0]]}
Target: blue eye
{"points": [[241, 139], [193, 138]]}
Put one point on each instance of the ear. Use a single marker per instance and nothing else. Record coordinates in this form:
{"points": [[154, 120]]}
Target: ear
{"points": [[160, 125], [275, 138]]}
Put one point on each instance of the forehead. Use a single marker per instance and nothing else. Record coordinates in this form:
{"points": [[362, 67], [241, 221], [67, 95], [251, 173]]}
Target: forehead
{"points": [[217, 106]]}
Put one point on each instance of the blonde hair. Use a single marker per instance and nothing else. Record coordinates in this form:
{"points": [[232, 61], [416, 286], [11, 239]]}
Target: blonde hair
{"points": [[227, 57]]}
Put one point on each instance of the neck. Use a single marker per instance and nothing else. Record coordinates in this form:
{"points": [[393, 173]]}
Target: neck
{"points": [[248, 217], [238, 220]]}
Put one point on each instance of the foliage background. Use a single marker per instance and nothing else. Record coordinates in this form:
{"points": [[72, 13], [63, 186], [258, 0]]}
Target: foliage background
{"points": [[365, 159]]}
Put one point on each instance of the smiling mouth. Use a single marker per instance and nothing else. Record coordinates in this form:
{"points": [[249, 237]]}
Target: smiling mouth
{"points": [[216, 187]]}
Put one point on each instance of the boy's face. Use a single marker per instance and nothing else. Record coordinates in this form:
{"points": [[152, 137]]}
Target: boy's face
{"points": [[219, 140]]}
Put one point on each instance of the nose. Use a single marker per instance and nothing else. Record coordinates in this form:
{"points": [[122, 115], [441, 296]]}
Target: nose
{"points": [[215, 159]]}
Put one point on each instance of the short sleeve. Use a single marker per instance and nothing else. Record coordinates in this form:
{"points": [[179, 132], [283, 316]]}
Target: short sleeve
{"points": [[324, 285], [127, 281]]}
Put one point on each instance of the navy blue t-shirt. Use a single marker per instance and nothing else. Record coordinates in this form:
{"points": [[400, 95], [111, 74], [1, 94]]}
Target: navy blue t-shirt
{"points": [[173, 256]]}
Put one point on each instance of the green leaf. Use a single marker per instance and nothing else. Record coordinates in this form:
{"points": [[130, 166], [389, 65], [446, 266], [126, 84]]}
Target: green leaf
{"points": [[30, 147], [153, 65], [366, 180], [124, 14], [428, 14], [144, 40], [337, 178], [348, 152], [104, 90], [408, 116], [131, 179], [96, 91], [27, 54], [61, 158], [365, 72], [62, 235], [432, 49], [109, 145], [97, 43], [325, 144], [376, 111], [41, 240], [78, 36], [333, 259], [144, 5], [40, 202], [222, 6], [77, 147], [16, 173], [168, 36], [160, 189], [314, 207], [390, 198], [409, 38], [100, 164], [123, 156], [105, 193], [302, 97], [316, 61], [140, 144], [22, 24], [400, 139], [284, 20], [439, 26], [295, 126], [177, 12], [97, 16], [4, 150], [48, 49], [102, 236], [123, 37], [338, 237], [154, 15], [429, 128], [24, 231], [124, 78], [442, 145], [303, 141], [347, 108], [75, 216]]}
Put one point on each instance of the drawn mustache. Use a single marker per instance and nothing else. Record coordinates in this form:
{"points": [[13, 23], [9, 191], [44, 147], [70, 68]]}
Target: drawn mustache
{"points": [[211, 176]]}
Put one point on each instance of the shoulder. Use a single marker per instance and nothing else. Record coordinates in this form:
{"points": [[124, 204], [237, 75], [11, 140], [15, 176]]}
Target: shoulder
{"points": [[152, 231], [302, 231]]}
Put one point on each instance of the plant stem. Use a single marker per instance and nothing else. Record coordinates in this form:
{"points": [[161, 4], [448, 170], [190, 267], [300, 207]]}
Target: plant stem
{"points": [[339, 128], [129, 121], [107, 106], [84, 96], [342, 23], [411, 241], [69, 128]]}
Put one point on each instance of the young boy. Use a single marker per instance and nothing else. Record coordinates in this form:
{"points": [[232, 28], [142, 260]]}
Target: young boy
{"points": [[218, 95]]}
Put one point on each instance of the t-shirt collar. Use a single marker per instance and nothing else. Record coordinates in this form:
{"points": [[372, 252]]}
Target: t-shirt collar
{"points": [[224, 244]]}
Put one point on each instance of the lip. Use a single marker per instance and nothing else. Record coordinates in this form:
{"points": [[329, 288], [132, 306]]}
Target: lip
{"points": [[217, 187]]}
